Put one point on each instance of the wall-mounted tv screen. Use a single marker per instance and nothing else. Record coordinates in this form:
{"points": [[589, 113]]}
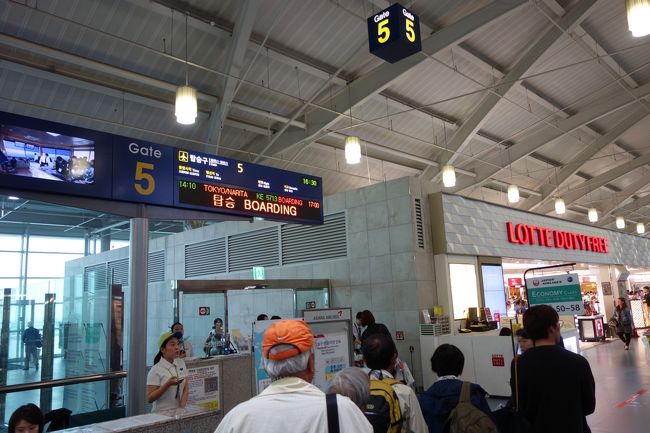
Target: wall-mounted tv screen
{"points": [[46, 155]]}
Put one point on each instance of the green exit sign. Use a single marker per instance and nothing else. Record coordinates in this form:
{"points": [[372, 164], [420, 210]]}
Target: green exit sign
{"points": [[258, 272]]}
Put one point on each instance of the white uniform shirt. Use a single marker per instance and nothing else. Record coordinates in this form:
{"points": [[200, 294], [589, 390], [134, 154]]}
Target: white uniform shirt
{"points": [[159, 374], [409, 405], [292, 405]]}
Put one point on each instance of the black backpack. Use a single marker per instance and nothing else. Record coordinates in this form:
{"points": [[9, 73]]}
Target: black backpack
{"points": [[383, 410]]}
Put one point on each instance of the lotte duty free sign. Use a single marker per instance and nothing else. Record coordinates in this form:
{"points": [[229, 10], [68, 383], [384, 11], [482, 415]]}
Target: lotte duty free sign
{"points": [[562, 292]]}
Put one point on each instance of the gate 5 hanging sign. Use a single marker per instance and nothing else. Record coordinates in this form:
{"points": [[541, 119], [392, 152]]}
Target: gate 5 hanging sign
{"points": [[394, 33]]}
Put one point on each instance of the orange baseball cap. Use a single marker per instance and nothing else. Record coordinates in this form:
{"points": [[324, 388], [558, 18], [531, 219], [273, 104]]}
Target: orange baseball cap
{"points": [[295, 333]]}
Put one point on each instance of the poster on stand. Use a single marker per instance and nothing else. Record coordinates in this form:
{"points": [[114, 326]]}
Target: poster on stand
{"points": [[204, 386], [332, 330]]}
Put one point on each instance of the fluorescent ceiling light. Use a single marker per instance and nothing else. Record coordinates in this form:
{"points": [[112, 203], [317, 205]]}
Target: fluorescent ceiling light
{"points": [[560, 208], [352, 150], [620, 222], [638, 17], [593, 215], [513, 193]]}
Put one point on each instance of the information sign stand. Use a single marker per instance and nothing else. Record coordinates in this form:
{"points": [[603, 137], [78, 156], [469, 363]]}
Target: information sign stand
{"points": [[332, 328]]}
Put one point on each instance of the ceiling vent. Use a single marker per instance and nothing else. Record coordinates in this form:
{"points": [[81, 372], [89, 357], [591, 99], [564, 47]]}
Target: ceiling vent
{"points": [[303, 243], [205, 258]]}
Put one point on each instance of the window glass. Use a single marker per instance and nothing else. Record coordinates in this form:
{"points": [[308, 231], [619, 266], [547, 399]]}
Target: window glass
{"points": [[48, 264], [56, 244], [10, 242], [119, 244], [38, 287], [9, 283], [10, 264]]}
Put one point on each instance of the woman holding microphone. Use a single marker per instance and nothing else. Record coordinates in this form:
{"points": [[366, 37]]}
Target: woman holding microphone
{"points": [[166, 386]]}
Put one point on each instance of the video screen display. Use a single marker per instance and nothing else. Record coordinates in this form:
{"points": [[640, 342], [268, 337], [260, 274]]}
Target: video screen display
{"points": [[46, 155]]}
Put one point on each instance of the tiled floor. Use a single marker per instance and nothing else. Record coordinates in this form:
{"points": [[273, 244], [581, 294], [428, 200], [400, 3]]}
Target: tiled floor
{"points": [[622, 387]]}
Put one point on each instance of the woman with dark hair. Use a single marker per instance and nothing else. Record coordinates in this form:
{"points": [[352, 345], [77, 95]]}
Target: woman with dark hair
{"points": [[166, 388], [185, 346], [26, 419], [623, 318], [372, 327]]}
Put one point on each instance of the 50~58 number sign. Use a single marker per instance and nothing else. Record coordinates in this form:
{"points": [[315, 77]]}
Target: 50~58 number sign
{"points": [[394, 33]]}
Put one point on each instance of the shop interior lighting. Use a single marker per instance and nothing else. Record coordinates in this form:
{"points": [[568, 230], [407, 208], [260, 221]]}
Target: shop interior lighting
{"points": [[513, 193], [592, 214], [640, 228], [352, 150], [620, 222], [186, 100], [638, 17], [560, 208], [448, 176]]}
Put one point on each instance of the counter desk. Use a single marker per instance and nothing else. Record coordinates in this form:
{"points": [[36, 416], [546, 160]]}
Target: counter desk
{"points": [[487, 357]]}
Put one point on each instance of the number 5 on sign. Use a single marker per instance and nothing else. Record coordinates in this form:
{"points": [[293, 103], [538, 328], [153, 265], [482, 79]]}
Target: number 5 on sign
{"points": [[146, 184], [383, 31]]}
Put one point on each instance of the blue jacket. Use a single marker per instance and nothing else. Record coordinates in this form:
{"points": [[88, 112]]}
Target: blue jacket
{"points": [[441, 398], [31, 336]]}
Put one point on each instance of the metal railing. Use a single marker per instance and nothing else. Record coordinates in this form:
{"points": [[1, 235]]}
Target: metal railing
{"points": [[61, 382]]}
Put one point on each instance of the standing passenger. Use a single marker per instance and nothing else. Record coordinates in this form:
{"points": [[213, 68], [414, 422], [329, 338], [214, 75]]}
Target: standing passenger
{"points": [[556, 387], [441, 398], [166, 387], [623, 318], [32, 340], [291, 403], [185, 346]]}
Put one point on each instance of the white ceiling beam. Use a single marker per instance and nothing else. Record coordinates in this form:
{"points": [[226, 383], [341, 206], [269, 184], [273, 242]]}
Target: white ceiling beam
{"points": [[589, 44], [580, 159], [381, 77], [608, 207], [596, 182], [471, 125], [500, 160], [233, 68]]}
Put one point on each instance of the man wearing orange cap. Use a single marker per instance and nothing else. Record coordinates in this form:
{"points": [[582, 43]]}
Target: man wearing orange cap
{"points": [[291, 403]]}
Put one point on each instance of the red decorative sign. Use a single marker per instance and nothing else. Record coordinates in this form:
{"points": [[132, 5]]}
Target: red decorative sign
{"points": [[514, 282], [498, 361], [399, 335], [544, 237], [204, 311]]}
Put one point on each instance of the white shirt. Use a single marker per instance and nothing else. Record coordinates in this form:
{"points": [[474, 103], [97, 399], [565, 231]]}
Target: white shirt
{"points": [[292, 405], [161, 373], [409, 405]]}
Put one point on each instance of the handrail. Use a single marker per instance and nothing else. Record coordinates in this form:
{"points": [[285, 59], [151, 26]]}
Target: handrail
{"points": [[61, 382]]}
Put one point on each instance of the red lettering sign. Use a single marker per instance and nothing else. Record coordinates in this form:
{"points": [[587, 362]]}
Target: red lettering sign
{"points": [[532, 235]]}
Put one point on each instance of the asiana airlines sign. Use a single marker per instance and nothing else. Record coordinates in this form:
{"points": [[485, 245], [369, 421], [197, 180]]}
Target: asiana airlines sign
{"points": [[544, 237]]}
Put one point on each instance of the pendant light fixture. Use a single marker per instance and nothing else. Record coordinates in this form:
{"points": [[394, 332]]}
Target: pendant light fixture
{"points": [[448, 176], [640, 228], [352, 150], [560, 208], [513, 193], [620, 222], [593, 215], [186, 101], [638, 17]]}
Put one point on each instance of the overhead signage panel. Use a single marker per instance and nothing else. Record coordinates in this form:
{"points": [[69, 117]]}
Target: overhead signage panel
{"points": [[562, 292], [45, 156], [394, 33]]}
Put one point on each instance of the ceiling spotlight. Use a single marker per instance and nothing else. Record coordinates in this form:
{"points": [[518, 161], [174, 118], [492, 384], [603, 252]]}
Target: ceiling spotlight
{"points": [[513, 193], [448, 176], [620, 222], [640, 228], [592, 214], [560, 208], [638, 17], [352, 150]]}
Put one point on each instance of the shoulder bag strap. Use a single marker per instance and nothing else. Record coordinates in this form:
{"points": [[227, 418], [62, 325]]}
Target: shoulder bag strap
{"points": [[464, 393], [516, 382], [332, 413]]}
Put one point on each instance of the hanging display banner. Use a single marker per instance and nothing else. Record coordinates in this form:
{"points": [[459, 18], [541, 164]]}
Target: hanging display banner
{"points": [[204, 386], [562, 292]]}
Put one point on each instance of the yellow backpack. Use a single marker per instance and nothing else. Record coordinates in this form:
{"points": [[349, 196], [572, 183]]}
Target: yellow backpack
{"points": [[383, 410]]}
